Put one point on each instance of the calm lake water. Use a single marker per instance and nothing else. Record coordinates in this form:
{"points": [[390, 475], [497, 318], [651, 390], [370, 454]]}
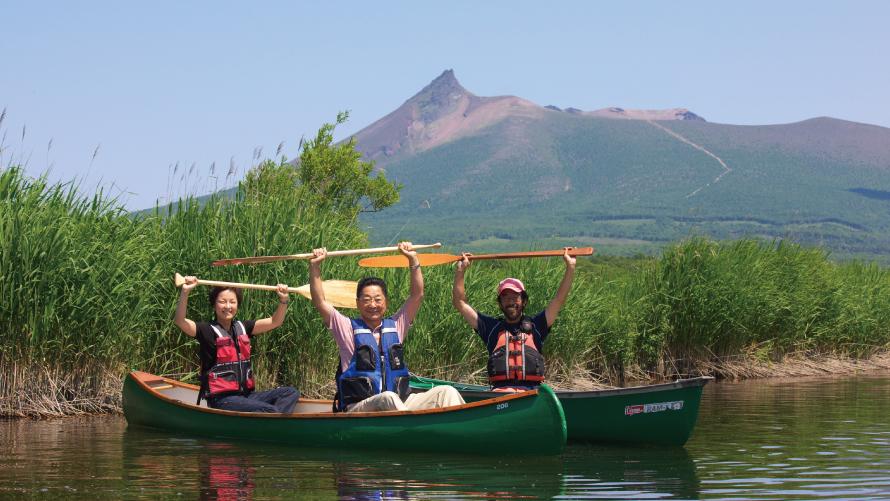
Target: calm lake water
{"points": [[798, 439]]}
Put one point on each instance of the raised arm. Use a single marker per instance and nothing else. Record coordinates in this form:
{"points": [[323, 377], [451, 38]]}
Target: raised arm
{"points": [[325, 309], [185, 325], [564, 288], [415, 295], [277, 318], [459, 293]]}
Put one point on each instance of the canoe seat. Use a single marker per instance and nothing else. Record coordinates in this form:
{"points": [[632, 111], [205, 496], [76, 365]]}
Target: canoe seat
{"points": [[158, 384], [313, 407]]}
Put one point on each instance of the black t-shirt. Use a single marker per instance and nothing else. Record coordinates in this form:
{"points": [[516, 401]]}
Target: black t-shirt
{"points": [[488, 329], [206, 337]]}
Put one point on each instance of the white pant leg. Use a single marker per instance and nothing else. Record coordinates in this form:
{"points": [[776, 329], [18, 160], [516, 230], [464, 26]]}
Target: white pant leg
{"points": [[438, 396], [386, 401]]}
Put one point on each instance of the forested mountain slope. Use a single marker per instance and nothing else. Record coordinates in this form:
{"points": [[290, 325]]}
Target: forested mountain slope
{"points": [[485, 173]]}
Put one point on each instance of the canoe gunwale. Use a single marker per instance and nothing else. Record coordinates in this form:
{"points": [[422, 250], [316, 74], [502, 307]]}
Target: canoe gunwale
{"points": [[636, 390], [481, 390], [142, 379]]}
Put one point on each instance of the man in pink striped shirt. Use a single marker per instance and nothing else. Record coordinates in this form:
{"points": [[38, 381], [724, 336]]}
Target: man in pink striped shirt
{"points": [[373, 375]]}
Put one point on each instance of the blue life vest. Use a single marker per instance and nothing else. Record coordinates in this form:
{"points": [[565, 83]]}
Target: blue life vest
{"points": [[374, 368]]}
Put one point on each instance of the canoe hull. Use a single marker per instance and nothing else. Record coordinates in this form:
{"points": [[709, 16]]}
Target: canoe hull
{"points": [[663, 414], [470, 428]]}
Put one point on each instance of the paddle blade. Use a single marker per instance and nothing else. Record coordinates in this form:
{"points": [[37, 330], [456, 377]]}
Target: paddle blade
{"points": [[401, 261], [340, 293]]}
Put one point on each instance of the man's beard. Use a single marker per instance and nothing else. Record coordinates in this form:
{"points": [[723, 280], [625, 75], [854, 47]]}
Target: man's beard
{"points": [[512, 313]]}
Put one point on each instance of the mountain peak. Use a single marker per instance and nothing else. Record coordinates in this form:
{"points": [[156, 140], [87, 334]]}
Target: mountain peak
{"points": [[439, 98], [446, 81], [440, 112]]}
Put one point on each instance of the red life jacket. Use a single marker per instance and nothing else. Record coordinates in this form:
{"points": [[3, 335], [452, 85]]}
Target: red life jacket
{"points": [[232, 372], [515, 359]]}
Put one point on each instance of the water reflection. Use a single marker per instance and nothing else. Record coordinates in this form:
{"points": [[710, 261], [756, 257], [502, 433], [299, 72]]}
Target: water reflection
{"points": [[226, 474], [101, 457], [60, 459], [795, 439], [234, 470], [225, 468], [629, 473], [804, 439]]}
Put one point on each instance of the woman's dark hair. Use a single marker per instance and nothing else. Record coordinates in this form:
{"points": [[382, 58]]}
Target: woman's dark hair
{"points": [[216, 291], [371, 281]]}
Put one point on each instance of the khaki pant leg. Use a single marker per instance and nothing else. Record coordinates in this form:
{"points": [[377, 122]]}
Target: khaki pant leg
{"points": [[386, 401], [439, 396]]}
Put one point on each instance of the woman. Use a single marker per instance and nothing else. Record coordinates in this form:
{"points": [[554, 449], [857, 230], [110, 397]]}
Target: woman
{"points": [[224, 347]]}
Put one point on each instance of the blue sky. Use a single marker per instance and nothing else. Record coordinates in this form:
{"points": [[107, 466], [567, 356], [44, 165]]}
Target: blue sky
{"points": [[160, 83]]}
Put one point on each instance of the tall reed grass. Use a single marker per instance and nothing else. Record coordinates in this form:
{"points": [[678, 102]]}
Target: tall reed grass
{"points": [[87, 294], [87, 287]]}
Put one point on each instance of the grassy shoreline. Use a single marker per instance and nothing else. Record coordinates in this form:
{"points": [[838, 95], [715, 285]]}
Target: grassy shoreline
{"points": [[87, 295], [52, 397]]}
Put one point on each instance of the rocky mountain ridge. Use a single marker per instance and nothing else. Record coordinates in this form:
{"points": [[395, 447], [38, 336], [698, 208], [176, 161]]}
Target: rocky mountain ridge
{"points": [[444, 111]]}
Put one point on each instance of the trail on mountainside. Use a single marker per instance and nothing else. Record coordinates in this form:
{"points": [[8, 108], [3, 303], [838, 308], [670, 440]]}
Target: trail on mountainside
{"points": [[726, 169]]}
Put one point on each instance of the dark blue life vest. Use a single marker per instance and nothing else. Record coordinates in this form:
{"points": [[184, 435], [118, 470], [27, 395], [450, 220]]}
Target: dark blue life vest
{"points": [[374, 368]]}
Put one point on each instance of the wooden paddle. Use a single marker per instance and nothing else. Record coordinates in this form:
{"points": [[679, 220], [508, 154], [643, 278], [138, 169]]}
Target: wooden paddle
{"points": [[434, 259], [340, 293], [308, 255]]}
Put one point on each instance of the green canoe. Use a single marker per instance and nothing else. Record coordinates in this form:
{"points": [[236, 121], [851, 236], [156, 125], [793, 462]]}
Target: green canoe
{"points": [[661, 414], [478, 427]]}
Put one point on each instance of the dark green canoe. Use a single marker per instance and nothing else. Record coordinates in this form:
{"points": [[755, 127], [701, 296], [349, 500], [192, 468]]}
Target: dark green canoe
{"points": [[477, 427], [660, 414]]}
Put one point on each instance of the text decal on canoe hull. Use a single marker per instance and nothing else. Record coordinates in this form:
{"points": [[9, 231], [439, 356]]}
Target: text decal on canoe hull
{"points": [[675, 405]]}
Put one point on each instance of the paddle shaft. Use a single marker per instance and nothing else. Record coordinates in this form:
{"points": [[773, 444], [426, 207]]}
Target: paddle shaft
{"points": [[573, 251], [179, 280], [340, 293], [309, 255], [436, 259]]}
